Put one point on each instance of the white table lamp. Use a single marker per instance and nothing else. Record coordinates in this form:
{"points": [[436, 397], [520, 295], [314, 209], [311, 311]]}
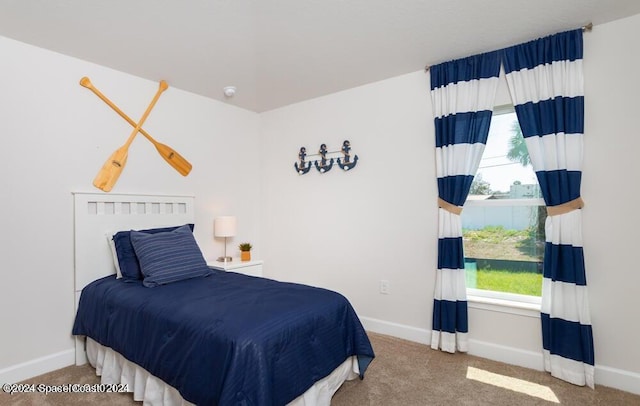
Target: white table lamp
{"points": [[224, 226]]}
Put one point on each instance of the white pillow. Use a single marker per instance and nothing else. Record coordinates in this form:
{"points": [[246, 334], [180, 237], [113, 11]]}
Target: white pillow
{"points": [[114, 255]]}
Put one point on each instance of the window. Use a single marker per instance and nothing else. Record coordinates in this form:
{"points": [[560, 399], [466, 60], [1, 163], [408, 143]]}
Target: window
{"points": [[503, 219]]}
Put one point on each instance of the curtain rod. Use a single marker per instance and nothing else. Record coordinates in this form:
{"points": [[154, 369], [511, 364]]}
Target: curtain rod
{"points": [[585, 28]]}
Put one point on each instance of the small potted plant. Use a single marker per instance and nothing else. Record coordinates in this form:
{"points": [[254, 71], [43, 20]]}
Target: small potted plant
{"points": [[245, 251]]}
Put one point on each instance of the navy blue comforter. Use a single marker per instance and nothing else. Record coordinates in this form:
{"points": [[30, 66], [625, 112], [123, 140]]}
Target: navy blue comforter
{"points": [[228, 338]]}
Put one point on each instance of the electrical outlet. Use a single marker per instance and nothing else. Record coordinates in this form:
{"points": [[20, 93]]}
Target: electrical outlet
{"points": [[384, 287]]}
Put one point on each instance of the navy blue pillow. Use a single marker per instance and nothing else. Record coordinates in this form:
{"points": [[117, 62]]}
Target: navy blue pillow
{"points": [[129, 266], [168, 257]]}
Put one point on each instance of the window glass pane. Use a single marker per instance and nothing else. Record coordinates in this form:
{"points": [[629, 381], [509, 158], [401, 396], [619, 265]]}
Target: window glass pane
{"points": [[503, 219], [501, 165]]}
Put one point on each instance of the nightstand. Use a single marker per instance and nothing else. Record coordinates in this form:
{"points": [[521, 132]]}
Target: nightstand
{"points": [[252, 268]]}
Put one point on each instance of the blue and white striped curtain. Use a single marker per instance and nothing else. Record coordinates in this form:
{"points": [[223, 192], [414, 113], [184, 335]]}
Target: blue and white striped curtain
{"points": [[546, 84], [463, 93]]}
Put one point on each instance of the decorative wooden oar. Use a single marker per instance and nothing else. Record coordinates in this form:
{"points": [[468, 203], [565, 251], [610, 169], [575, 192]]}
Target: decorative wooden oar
{"points": [[112, 168], [173, 158]]}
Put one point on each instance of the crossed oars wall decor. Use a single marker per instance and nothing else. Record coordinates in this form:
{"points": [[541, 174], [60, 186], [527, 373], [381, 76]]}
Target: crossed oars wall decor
{"points": [[113, 167], [324, 165]]}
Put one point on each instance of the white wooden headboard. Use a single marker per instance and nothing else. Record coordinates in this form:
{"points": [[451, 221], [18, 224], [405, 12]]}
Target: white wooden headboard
{"points": [[97, 214]]}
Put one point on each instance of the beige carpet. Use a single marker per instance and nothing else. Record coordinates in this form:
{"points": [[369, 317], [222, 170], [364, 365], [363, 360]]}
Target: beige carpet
{"points": [[403, 373]]}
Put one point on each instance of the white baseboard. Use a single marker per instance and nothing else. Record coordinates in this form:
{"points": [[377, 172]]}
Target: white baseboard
{"points": [[618, 378], [508, 355], [606, 376], [38, 366], [418, 335]]}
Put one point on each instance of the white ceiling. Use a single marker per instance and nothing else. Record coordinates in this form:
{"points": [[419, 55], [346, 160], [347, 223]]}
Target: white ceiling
{"points": [[278, 52]]}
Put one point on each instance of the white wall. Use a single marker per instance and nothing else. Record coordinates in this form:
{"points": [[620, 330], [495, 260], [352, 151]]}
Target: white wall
{"points": [[55, 137], [347, 231], [611, 221]]}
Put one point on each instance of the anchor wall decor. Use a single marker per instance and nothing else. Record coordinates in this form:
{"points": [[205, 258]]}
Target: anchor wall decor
{"points": [[327, 159]]}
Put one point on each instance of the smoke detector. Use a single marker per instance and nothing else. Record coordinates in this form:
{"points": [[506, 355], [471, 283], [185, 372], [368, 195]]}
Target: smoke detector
{"points": [[229, 91]]}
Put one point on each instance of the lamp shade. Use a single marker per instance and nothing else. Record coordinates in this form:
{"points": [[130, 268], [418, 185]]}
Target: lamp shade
{"points": [[224, 226]]}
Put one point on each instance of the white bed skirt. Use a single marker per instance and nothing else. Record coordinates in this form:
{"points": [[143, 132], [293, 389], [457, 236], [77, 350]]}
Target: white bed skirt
{"points": [[113, 368]]}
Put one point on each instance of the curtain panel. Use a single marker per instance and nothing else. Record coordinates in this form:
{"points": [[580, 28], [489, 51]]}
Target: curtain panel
{"points": [[463, 94], [546, 85]]}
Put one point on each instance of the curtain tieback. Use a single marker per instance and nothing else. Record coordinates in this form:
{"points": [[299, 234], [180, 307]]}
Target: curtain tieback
{"points": [[451, 208], [567, 207]]}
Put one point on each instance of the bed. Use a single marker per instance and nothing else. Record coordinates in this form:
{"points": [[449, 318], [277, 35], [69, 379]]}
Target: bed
{"points": [[215, 338]]}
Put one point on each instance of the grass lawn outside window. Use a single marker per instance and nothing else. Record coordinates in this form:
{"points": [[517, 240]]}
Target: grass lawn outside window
{"points": [[502, 260]]}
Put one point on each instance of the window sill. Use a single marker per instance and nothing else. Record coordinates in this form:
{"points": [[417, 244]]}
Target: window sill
{"points": [[504, 306]]}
